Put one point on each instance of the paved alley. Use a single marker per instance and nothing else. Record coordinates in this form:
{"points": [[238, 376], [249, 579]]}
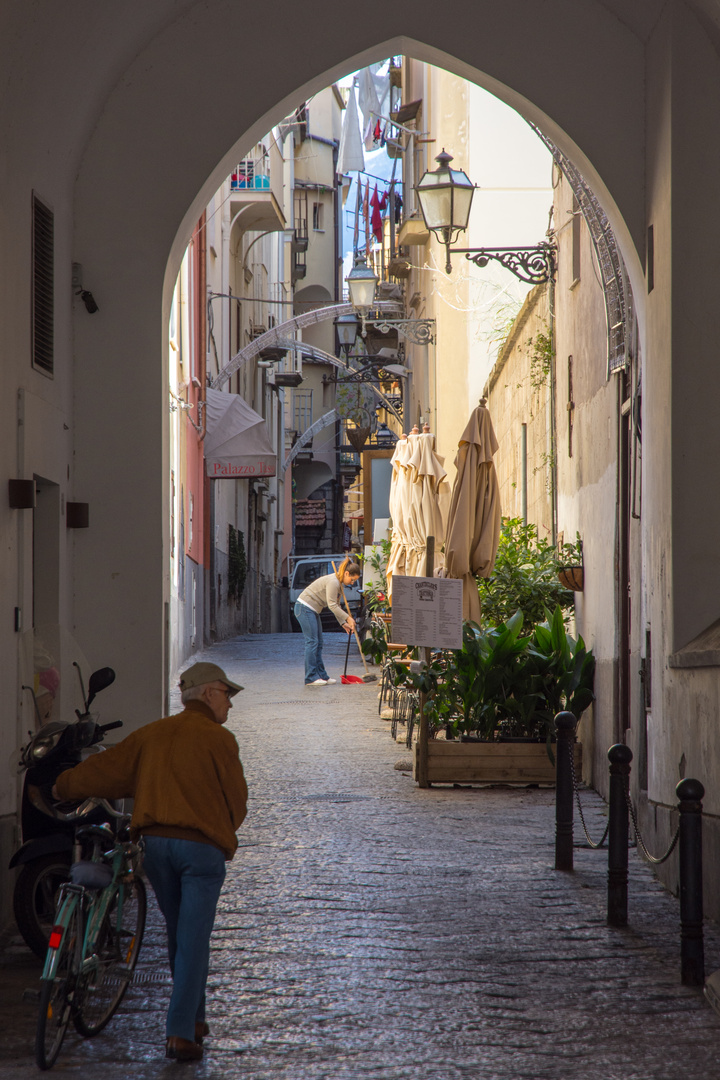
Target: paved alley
{"points": [[369, 930]]}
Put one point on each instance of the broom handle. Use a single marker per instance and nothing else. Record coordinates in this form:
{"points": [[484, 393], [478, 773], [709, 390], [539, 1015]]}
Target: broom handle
{"points": [[347, 608]]}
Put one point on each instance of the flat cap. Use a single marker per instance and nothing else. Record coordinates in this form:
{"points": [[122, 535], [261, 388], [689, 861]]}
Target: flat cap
{"points": [[199, 674]]}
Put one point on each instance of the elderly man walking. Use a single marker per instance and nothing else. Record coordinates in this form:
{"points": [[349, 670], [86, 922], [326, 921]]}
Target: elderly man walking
{"points": [[185, 775]]}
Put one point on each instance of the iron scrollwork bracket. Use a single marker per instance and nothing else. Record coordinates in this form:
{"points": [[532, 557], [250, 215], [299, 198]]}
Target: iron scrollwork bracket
{"points": [[416, 331], [533, 265]]}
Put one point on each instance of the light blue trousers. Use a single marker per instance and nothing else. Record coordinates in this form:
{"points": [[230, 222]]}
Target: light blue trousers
{"points": [[311, 626], [186, 877]]}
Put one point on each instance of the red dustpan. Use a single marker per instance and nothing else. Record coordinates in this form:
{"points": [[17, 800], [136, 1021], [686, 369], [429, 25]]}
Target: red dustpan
{"points": [[345, 677]]}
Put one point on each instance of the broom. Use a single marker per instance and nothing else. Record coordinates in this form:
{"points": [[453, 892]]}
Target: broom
{"points": [[368, 676], [345, 677]]}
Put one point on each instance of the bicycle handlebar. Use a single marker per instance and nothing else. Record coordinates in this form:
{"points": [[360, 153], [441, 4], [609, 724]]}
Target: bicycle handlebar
{"points": [[111, 809], [110, 727]]}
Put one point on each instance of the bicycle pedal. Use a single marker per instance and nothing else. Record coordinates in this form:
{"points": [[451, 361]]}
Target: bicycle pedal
{"points": [[31, 994]]}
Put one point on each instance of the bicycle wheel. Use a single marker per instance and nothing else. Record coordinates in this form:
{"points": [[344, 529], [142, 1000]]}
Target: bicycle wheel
{"points": [[57, 995], [102, 986]]}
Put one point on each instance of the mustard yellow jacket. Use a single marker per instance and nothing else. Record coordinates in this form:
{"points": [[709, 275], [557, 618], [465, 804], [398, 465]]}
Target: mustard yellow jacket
{"points": [[184, 773]]}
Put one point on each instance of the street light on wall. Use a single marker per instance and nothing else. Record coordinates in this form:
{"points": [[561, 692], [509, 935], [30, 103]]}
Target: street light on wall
{"points": [[385, 439], [361, 283], [347, 327], [445, 196]]}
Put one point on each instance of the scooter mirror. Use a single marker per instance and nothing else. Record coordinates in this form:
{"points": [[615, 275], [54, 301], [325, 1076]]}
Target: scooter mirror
{"points": [[99, 680]]}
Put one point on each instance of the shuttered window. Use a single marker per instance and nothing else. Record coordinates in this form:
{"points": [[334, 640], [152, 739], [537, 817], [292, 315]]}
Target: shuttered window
{"points": [[43, 287]]}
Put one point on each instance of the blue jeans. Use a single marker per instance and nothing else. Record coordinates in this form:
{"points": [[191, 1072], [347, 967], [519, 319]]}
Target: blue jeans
{"points": [[187, 877], [311, 627]]}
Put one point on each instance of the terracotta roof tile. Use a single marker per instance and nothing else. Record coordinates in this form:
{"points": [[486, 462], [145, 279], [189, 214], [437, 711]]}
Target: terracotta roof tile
{"points": [[310, 512]]}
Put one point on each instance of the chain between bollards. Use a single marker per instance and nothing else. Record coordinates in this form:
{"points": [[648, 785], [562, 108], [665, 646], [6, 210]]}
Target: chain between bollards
{"points": [[565, 724], [594, 844]]}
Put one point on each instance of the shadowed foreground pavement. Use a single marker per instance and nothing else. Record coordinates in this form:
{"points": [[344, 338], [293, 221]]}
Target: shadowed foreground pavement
{"points": [[372, 931]]}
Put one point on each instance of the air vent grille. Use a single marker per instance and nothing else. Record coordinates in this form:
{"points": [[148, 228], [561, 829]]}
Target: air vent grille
{"points": [[43, 296]]}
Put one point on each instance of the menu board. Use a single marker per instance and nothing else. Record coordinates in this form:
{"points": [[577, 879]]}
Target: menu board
{"points": [[427, 612]]}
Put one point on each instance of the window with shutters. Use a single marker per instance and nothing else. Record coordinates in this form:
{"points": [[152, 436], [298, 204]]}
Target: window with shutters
{"points": [[43, 287]]}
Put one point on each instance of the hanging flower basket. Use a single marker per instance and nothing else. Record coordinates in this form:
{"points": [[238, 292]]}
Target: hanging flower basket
{"points": [[572, 577]]}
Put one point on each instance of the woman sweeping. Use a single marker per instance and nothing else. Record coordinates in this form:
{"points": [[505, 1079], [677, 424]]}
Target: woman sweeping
{"points": [[323, 593]]}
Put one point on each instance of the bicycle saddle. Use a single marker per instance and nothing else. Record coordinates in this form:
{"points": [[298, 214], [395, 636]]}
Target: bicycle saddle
{"points": [[91, 875], [96, 832]]}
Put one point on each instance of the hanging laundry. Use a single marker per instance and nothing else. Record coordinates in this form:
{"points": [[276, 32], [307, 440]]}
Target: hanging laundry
{"points": [[377, 132], [366, 215], [376, 216], [398, 207], [351, 157], [369, 106], [382, 88], [356, 225]]}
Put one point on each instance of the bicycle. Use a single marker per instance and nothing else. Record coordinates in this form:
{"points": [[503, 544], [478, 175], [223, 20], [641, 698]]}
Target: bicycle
{"points": [[95, 939]]}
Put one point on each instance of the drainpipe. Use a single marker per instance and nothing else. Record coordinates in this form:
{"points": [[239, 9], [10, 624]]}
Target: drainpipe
{"points": [[523, 466], [208, 488], [551, 413]]}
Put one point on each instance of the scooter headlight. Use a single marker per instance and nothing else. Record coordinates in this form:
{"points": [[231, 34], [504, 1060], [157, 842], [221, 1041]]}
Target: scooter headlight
{"points": [[42, 745]]}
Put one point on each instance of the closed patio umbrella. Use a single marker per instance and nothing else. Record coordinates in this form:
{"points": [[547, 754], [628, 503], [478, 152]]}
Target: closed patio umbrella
{"points": [[425, 518], [399, 505], [473, 529]]}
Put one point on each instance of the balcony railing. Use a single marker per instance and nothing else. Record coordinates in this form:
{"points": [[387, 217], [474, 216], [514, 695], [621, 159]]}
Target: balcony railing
{"points": [[252, 172]]}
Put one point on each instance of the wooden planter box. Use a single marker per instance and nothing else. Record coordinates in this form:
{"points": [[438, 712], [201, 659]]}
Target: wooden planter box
{"points": [[490, 763]]}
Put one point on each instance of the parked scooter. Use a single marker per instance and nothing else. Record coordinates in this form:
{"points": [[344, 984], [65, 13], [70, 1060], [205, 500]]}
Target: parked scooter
{"points": [[48, 827]]}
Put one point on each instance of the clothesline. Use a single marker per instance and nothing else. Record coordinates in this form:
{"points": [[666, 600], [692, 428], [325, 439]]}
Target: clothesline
{"points": [[380, 179]]}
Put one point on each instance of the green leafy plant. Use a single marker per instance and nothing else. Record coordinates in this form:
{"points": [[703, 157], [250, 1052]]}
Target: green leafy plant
{"points": [[562, 667], [524, 577], [237, 564], [376, 598], [541, 358], [501, 684]]}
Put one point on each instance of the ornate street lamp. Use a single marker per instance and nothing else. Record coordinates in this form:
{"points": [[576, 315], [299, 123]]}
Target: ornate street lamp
{"points": [[384, 437], [445, 196], [347, 327], [361, 282]]}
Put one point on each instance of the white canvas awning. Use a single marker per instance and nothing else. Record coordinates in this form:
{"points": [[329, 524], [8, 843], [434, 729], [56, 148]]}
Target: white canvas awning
{"points": [[237, 444]]}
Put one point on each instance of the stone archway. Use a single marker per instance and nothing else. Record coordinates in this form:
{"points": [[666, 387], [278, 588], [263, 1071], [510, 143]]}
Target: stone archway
{"points": [[134, 208]]}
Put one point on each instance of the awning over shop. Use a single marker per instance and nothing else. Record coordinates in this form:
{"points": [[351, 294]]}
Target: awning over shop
{"points": [[237, 444]]}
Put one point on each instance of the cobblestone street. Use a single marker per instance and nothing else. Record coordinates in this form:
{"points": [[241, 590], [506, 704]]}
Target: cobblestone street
{"points": [[370, 930]]}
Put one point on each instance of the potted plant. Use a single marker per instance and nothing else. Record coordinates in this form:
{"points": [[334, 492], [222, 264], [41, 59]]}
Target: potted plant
{"points": [[571, 573], [497, 698]]}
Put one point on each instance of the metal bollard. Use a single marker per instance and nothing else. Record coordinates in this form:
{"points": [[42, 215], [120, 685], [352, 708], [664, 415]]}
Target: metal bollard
{"points": [[619, 757], [692, 958], [565, 724]]}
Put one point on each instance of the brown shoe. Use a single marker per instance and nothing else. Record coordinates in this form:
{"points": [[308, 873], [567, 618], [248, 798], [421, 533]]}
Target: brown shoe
{"points": [[201, 1030], [182, 1049]]}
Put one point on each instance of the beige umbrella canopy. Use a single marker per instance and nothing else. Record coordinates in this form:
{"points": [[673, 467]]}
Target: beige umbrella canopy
{"points": [[473, 529], [425, 518], [399, 506]]}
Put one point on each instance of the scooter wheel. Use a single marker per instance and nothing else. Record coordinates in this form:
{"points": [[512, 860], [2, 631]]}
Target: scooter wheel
{"points": [[35, 896]]}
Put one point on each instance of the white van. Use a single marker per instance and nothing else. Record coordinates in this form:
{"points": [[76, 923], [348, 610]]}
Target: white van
{"points": [[307, 568]]}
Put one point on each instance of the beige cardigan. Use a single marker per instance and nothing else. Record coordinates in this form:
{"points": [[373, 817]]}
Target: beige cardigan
{"points": [[324, 592]]}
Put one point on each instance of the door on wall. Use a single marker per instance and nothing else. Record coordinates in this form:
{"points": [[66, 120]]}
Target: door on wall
{"points": [[377, 473]]}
